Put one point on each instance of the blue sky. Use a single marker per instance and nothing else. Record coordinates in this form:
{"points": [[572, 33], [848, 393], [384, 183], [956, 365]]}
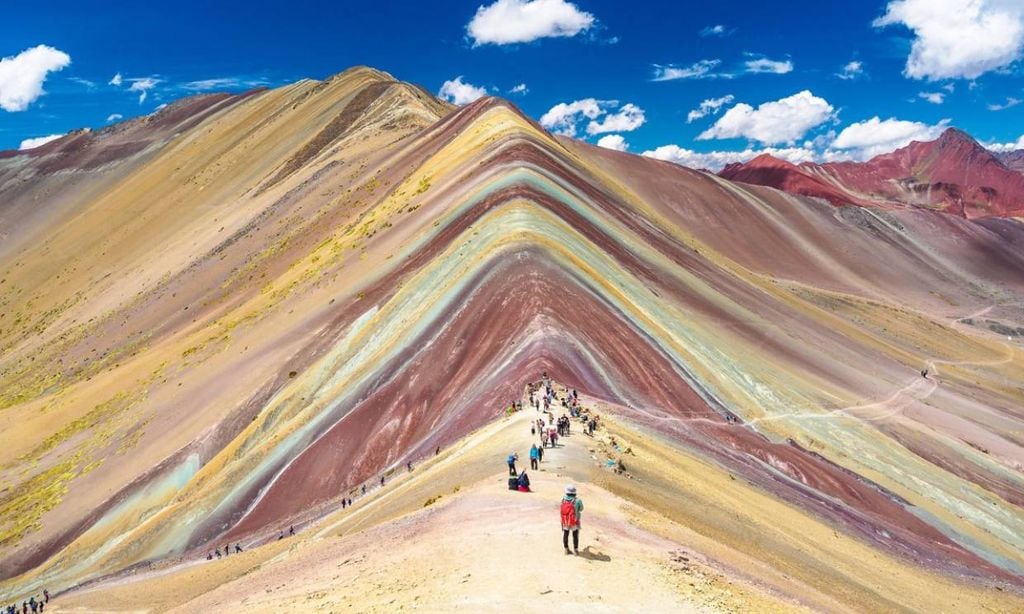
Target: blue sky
{"points": [[914, 67]]}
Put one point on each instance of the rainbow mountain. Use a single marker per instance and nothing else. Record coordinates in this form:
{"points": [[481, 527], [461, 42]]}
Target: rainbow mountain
{"points": [[218, 320]]}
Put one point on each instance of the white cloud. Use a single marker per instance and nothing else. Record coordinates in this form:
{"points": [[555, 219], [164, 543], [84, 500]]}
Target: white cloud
{"points": [[958, 38], [22, 75], [715, 30], [780, 121], [521, 21], [933, 97], [1010, 102], [698, 70], [629, 117], [564, 117], [852, 70], [459, 92], [116, 80], [38, 141], [764, 65], [708, 107], [1002, 147], [79, 80], [520, 89], [143, 85], [613, 141], [866, 139], [715, 160], [113, 117], [204, 85]]}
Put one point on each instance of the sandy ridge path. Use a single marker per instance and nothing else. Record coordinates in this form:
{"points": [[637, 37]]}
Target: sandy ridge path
{"points": [[479, 548]]}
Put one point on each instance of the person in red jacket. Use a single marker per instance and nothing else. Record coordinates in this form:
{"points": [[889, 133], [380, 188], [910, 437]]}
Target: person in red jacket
{"points": [[571, 512]]}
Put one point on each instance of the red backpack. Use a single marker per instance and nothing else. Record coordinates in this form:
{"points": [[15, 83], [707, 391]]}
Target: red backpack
{"points": [[568, 513]]}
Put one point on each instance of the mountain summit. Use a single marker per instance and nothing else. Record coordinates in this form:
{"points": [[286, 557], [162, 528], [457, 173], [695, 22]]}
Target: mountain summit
{"points": [[953, 173], [220, 324]]}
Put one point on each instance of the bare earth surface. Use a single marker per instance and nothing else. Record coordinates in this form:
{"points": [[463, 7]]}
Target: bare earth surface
{"points": [[477, 546]]}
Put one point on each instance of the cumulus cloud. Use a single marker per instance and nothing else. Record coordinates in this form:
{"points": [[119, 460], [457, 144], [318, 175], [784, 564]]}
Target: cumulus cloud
{"points": [[765, 65], [958, 38], [698, 70], [1010, 102], [38, 141], [520, 21], [715, 30], [707, 107], [142, 85], [933, 97], [113, 117], [866, 139], [780, 121], [564, 117], [22, 76], [116, 80], [715, 160], [613, 141], [459, 92], [629, 117], [520, 89], [1003, 147], [851, 70]]}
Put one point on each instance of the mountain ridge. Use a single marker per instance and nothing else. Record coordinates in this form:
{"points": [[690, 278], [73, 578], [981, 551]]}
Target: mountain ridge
{"points": [[195, 359], [953, 173]]}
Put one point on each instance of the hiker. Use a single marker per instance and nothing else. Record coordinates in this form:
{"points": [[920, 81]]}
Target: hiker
{"points": [[553, 436], [571, 513], [343, 503], [540, 455], [364, 489], [524, 482], [209, 556], [46, 596], [238, 548], [281, 536], [218, 551], [512, 458], [544, 437], [350, 502], [437, 451], [408, 465], [533, 456], [291, 530], [924, 373], [382, 481], [227, 549]]}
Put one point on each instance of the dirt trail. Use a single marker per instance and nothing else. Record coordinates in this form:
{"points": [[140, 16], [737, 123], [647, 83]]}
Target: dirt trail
{"points": [[476, 546]]}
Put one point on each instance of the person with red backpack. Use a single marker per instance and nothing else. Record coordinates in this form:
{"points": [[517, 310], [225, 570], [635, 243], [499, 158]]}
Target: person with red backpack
{"points": [[571, 512]]}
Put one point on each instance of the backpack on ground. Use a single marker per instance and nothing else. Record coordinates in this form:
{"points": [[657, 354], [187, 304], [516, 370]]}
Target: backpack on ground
{"points": [[513, 483], [568, 512]]}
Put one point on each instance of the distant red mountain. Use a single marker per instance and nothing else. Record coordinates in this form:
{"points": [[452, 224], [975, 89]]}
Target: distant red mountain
{"points": [[1014, 160], [953, 173]]}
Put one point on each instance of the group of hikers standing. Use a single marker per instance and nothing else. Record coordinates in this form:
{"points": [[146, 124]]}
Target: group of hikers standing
{"points": [[227, 550], [542, 398], [36, 606]]}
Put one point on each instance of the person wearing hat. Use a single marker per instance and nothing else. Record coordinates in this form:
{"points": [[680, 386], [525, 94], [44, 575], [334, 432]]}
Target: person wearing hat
{"points": [[571, 512]]}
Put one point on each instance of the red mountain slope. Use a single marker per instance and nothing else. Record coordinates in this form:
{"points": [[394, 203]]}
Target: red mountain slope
{"points": [[953, 173]]}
